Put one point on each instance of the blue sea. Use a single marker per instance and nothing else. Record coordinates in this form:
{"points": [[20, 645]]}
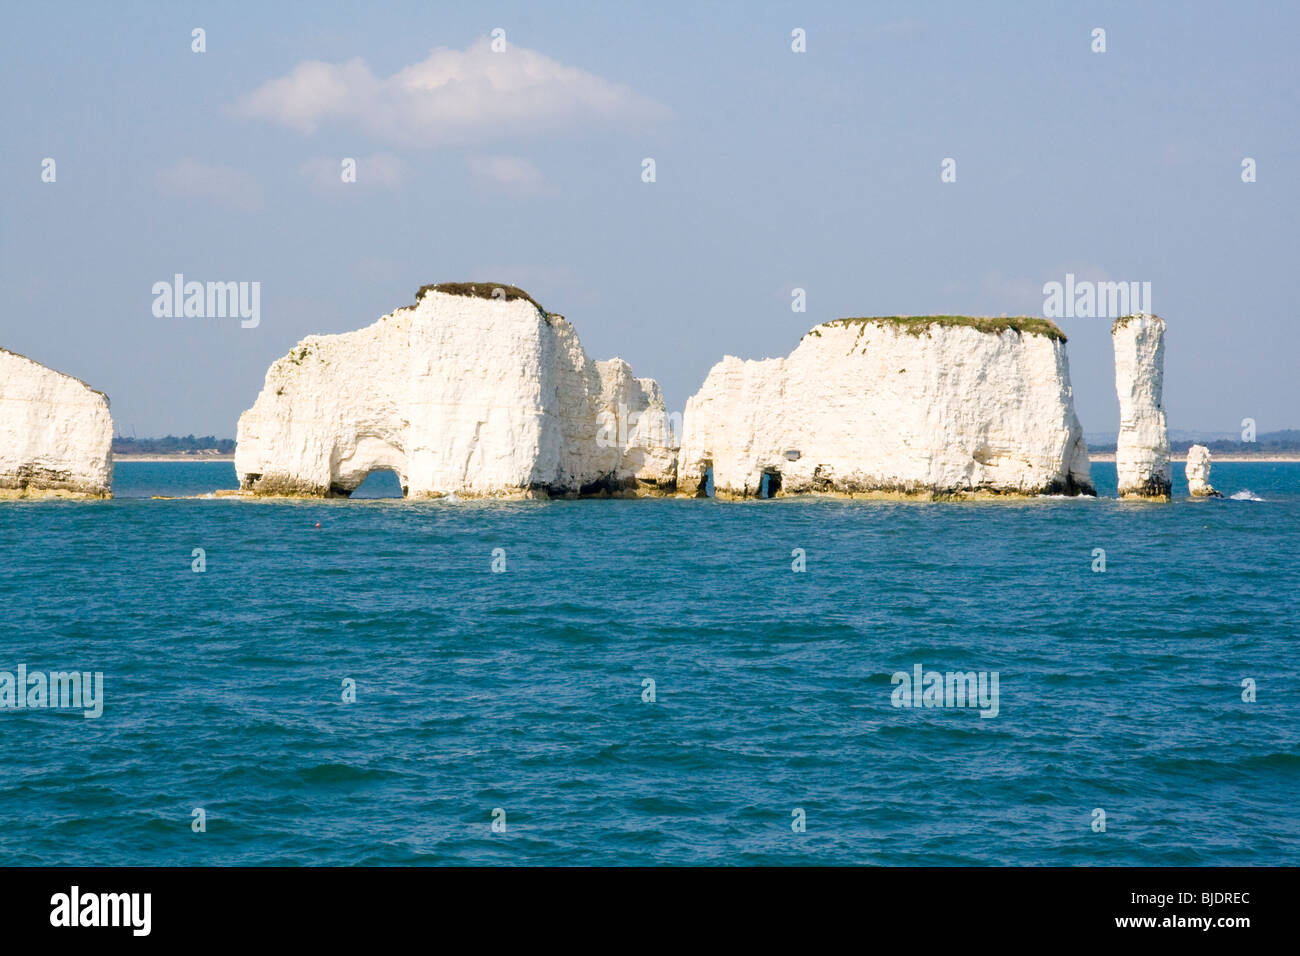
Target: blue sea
{"points": [[769, 735]]}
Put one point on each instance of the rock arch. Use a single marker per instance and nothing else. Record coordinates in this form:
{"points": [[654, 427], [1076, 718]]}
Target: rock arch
{"points": [[370, 453]]}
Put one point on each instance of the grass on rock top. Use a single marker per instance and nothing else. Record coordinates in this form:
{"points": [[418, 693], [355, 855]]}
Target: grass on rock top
{"points": [[480, 290], [1124, 320], [920, 324]]}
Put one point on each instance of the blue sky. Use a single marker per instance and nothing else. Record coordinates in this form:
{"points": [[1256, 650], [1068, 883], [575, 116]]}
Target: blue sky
{"points": [[774, 170]]}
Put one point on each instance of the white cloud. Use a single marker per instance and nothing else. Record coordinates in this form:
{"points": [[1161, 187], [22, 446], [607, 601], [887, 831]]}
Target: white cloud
{"points": [[452, 97], [509, 174], [191, 178], [377, 171]]}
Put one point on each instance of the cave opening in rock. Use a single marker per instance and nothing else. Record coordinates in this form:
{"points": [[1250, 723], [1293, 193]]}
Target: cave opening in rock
{"points": [[708, 480], [380, 483], [770, 484]]}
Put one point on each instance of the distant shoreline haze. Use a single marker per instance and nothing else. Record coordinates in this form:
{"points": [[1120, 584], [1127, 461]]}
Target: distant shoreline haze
{"points": [[1285, 442], [173, 445]]}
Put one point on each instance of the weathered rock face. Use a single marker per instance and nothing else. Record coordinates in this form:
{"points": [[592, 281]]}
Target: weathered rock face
{"points": [[1142, 452], [930, 406], [1198, 473], [56, 434], [464, 394]]}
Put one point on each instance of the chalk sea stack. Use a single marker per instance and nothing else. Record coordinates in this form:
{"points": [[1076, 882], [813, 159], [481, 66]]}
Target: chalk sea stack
{"points": [[56, 433], [926, 406], [475, 390], [1198, 473], [1142, 451]]}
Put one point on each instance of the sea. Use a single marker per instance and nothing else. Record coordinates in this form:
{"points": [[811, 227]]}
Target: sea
{"points": [[646, 682]]}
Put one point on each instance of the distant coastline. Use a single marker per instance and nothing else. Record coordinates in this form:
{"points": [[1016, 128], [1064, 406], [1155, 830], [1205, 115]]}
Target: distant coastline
{"points": [[1263, 457], [172, 448], [178, 456]]}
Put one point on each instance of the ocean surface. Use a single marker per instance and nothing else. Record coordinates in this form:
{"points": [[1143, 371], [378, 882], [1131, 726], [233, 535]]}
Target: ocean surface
{"points": [[519, 696]]}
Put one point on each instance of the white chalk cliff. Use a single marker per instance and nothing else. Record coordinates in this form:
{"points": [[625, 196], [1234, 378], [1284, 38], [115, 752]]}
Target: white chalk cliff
{"points": [[929, 406], [1198, 473], [475, 390], [1142, 451], [56, 434]]}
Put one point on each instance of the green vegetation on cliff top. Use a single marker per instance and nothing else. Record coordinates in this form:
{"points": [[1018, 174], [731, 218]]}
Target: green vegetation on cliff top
{"points": [[920, 324], [480, 290], [1124, 320]]}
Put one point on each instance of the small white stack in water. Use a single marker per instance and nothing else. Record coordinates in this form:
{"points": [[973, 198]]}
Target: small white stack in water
{"points": [[1198, 473]]}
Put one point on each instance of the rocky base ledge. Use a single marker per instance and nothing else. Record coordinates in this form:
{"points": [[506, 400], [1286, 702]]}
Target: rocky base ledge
{"points": [[275, 490]]}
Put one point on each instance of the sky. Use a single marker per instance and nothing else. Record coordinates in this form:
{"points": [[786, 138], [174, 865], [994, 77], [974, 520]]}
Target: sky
{"points": [[775, 170]]}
